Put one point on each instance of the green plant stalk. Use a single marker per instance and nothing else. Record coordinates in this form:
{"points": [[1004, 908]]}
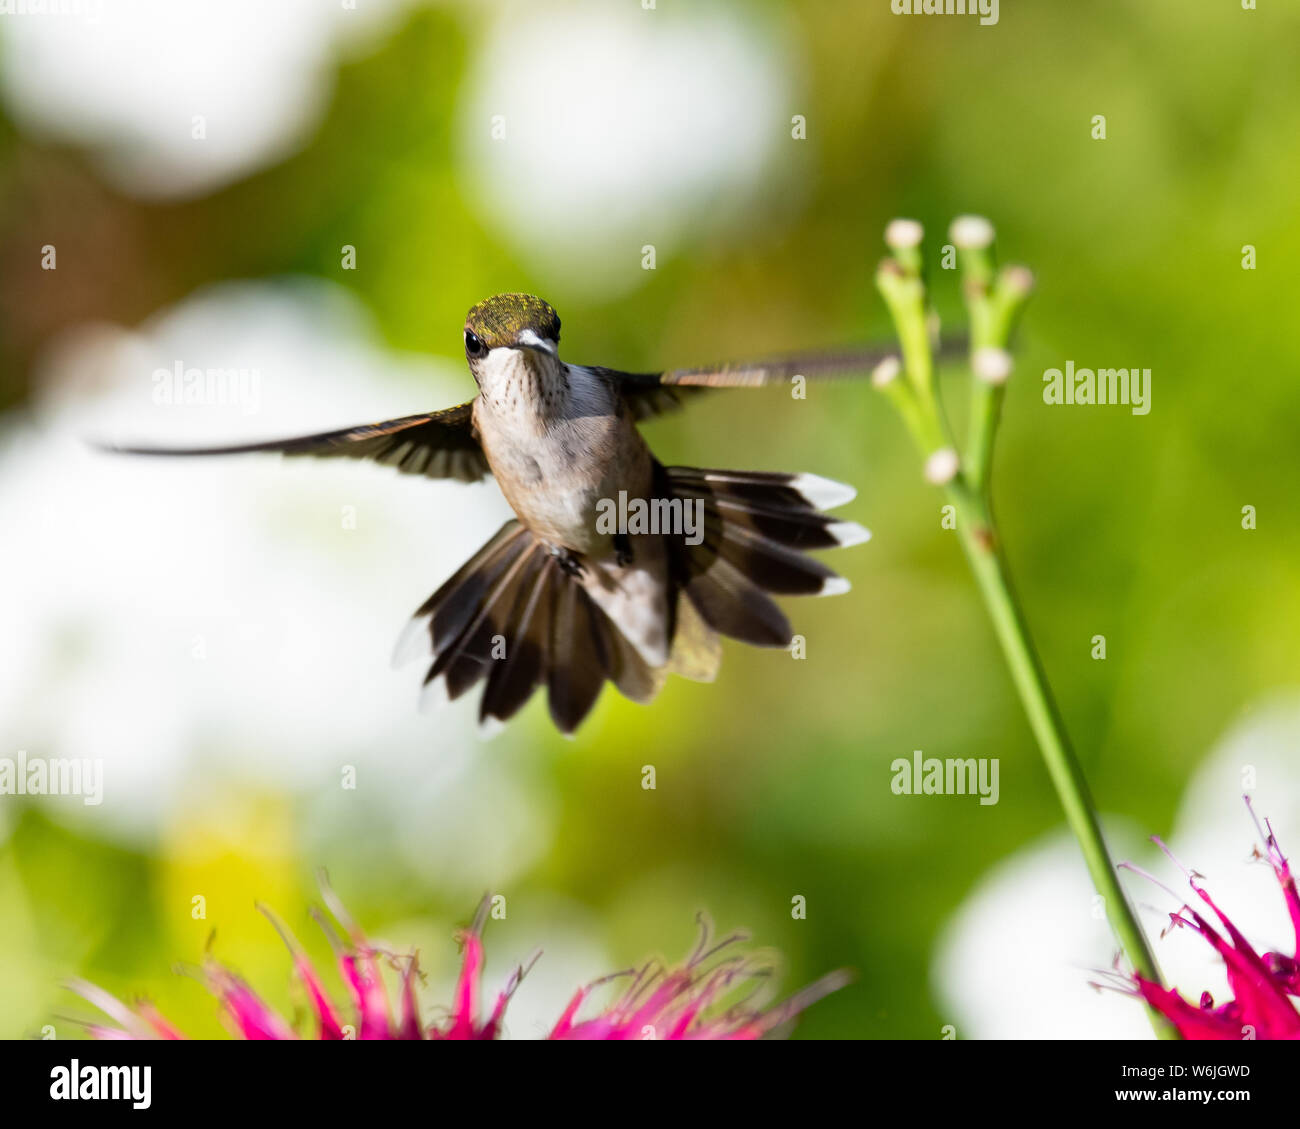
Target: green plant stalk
{"points": [[985, 411], [993, 313], [979, 539], [994, 304]]}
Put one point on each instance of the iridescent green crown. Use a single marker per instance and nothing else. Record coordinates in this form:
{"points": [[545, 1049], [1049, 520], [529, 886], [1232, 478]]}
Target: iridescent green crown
{"points": [[499, 320]]}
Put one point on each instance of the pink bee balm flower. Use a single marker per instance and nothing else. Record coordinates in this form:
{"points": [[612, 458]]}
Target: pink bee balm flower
{"points": [[1264, 988], [681, 1003], [693, 1001]]}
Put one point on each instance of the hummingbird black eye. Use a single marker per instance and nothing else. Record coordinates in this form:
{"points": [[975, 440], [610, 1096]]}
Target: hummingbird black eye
{"points": [[473, 346]]}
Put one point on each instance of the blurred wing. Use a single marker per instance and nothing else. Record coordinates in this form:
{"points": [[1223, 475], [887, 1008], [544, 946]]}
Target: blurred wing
{"points": [[650, 393], [815, 366], [435, 444]]}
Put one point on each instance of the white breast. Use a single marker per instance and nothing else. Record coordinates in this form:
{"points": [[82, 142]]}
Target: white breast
{"points": [[551, 437]]}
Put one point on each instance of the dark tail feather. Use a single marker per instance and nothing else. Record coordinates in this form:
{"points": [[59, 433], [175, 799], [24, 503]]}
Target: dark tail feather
{"points": [[468, 628], [757, 528], [451, 606], [733, 605], [580, 656], [512, 616], [527, 635]]}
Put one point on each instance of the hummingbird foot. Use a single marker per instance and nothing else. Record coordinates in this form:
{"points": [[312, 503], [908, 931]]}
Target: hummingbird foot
{"points": [[569, 561]]}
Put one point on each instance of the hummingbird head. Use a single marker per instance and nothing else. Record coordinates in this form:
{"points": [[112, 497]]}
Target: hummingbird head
{"points": [[511, 321], [512, 346]]}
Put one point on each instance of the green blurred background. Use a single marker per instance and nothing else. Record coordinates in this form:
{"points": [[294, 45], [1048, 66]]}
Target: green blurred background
{"points": [[774, 782]]}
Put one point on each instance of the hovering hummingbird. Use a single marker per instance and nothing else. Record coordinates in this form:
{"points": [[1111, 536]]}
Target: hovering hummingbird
{"points": [[564, 595]]}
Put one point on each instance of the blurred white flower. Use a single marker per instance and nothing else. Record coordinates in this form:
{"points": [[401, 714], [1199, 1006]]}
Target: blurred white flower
{"points": [[128, 78], [591, 130], [190, 621], [1016, 959]]}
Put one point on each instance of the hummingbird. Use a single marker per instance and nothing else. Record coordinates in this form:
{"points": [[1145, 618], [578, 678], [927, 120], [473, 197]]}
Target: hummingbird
{"points": [[615, 567]]}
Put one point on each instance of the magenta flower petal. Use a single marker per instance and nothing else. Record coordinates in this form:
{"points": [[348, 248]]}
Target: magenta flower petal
{"points": [[331, 1027], [1263, 987], [684, 1002], [329, 1024], [464, 1014], [252, 1018], [408, 1023], [1192, 1022], [677, 1003]]}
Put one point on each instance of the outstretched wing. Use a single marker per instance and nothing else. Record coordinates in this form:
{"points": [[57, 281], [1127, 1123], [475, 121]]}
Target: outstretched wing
{"points": [[435, 444], [650, 393]]}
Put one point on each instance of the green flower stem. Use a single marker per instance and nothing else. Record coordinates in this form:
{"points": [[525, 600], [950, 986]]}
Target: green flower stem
{"points": [[995, 302], [993, 312], [979, 539]]}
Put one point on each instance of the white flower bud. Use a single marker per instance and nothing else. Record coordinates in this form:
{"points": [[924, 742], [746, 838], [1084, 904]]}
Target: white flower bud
{"points": [[1019, 280], [971, 233], [991, 364], [902, 235], [942, 466], [886, 371]]}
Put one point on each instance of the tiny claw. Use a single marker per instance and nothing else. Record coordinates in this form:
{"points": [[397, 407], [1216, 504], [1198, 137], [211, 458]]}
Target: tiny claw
{"points": [[570, 562]]}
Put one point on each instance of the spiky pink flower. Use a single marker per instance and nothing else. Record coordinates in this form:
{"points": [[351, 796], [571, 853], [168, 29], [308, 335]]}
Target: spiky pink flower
{"points": [[679, 1003], [692, 1001], [1263, 988]]}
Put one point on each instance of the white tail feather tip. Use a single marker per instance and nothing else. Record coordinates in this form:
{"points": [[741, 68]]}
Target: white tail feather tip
{"points": [[434, 695], [848, 533], [413, 643], [489, 727], [824, 493]]}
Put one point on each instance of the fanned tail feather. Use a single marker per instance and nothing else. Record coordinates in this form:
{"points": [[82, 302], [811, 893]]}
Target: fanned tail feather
{"points": [[757, 528], [513, 617]]}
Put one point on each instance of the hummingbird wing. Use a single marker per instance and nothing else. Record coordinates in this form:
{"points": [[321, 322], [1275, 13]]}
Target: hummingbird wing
{"points": [[652, 393], [438, 444]]}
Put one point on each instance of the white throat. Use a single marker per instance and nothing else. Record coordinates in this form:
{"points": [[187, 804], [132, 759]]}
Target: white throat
{"points": [[526, 387]]}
